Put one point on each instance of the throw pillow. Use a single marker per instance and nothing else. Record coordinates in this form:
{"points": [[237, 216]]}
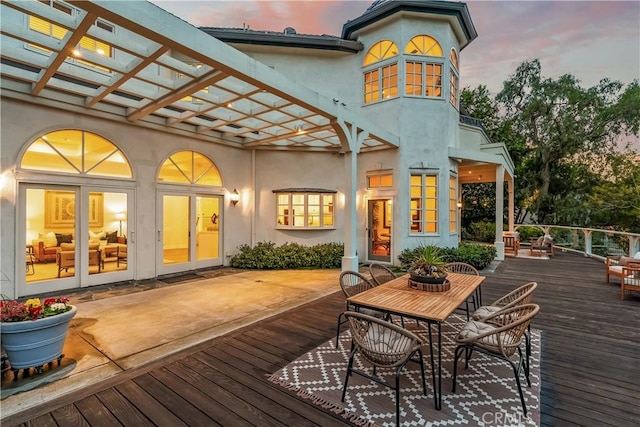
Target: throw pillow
{"points": [[49, 239], [112, 237], [97, 236], [64, 238]]}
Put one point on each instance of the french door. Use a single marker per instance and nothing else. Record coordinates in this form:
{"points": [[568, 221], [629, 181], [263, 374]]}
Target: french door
{"points": [[379, 225], [73, 236], [189, 231]]}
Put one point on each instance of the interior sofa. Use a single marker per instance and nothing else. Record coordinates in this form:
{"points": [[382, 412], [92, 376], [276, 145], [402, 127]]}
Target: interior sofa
{"points": [[47, 245]]}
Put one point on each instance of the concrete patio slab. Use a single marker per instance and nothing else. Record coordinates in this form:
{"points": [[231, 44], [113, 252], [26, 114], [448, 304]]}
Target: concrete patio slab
{"points": [[111, 335]]}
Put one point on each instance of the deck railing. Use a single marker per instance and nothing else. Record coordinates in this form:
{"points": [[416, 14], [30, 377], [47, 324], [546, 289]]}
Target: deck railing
{"points": [[592, 242]]}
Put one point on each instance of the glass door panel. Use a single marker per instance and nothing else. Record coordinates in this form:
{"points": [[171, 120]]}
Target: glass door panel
{"points": [[207, 228], [50, 234], [379, 230], [175, 229]]}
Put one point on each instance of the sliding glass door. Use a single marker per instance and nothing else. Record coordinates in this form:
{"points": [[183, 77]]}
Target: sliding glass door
{"points": [[73, 236]]}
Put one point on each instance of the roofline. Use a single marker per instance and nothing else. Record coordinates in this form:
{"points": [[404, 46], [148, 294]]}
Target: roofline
{"points": [[458, 10], [284, 40]]}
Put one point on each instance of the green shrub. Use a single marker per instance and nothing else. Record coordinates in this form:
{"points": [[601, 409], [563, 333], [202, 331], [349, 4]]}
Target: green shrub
{"points": [[266, 256], [481, 231], [528, 232], [480, 256]]}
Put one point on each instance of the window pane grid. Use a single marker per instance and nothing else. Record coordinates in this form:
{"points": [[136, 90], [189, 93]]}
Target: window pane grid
{"points": [[413, 78], [380, 181], [304, 210], [453, 204], [423, 204], [453, 89]]}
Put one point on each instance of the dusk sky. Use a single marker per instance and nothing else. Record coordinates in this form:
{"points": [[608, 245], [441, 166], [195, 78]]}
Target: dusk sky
{"points": [[589, 39]]}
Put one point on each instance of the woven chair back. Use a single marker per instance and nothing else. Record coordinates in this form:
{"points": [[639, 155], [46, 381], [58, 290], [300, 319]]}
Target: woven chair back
{"points": [[380, 274], [462, 268], [519, 296], [381, 343], [352, 283], [511, 324]]}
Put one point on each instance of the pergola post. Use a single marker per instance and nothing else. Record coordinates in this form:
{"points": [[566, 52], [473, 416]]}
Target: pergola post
{"points": [[351, 138], [499, 243]]}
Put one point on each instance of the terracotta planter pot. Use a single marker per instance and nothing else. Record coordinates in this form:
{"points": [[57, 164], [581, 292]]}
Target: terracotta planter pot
{"points": [[34, 343]]}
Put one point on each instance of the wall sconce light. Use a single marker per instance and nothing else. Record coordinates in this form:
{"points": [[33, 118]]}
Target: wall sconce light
{"points": [[459, 205], [234, 197]]}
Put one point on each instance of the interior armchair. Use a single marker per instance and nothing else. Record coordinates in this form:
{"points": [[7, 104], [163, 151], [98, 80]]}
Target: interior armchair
{"points": [[65, 257]]}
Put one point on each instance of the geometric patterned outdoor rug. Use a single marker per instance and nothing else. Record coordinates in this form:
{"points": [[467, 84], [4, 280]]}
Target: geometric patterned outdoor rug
{"points": [[486, 392]]}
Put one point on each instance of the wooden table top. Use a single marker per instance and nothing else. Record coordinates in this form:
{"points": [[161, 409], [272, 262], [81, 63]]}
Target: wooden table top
{"points": [[396, 296]]}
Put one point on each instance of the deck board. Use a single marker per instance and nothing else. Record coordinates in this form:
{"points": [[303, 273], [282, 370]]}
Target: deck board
{"points": [[590, 361]]}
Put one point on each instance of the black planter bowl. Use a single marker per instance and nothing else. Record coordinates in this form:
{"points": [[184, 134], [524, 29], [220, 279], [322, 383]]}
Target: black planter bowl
{"points": [[428, 279]]}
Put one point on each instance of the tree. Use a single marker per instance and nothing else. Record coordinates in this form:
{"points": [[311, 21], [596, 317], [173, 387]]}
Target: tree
{"points": [[616, 202], [567, 130]]}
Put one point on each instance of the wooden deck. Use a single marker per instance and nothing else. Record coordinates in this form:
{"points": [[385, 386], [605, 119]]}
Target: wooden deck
{"points": [[590, 362]]}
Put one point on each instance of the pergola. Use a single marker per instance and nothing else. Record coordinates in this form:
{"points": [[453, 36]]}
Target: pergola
{"points": [[159, 71]]}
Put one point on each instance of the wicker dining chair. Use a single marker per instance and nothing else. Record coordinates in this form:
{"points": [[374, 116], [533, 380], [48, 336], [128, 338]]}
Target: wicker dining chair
{"points": [[464, 268], [383, 345], [521, 295], [380, 273], [499, 335], [352, 283]]}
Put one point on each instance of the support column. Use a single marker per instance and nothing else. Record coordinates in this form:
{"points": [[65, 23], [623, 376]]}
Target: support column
{"points": [[511, 189], [499, 243], [351, 138], [350, 258]]}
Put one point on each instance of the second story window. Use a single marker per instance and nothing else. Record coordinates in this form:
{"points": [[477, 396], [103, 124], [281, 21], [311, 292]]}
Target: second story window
{"points": [[57, 32], [423, 67], [381, 72], [305, 209], [454, 79]]}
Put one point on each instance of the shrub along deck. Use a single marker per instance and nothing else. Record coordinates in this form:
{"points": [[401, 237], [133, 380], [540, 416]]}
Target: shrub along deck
{"points": [[590, 362]]}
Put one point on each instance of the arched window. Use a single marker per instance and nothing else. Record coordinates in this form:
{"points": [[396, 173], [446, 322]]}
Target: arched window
{"points": [[190, 167], [381, 72], [423, 70], [76, 152], [454, 78]]}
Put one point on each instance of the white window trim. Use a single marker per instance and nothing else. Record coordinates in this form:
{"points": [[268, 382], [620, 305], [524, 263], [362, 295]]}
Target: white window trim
{"points": [[423, 174], [379, 66], [306, 194], [424, 60]]}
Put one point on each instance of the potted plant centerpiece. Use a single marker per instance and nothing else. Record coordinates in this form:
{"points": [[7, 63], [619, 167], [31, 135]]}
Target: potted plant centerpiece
{"points": [[428, 266], [33, 332]]}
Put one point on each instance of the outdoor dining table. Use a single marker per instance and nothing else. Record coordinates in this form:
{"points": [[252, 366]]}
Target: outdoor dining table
{"points": [[433, 308]]}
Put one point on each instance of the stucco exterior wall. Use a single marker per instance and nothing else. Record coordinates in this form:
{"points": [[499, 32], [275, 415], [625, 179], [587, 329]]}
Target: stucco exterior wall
{"points": [[426, 126]]}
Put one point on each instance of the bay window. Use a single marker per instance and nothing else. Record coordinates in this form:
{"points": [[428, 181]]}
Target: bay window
{"points": [[305, 209]]}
